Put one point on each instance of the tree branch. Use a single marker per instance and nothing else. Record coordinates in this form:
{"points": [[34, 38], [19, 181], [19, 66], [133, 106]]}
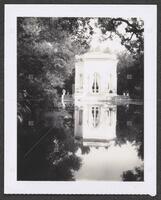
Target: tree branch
{"points": [[134, 28]]}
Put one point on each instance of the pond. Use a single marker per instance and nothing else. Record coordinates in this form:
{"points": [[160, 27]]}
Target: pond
{"points": [[89, 141]]}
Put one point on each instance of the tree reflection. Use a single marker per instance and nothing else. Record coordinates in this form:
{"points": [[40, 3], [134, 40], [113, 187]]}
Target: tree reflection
{"points": [[53, 158], [133, 175], [62, 147], [130, 127], [61, 155]]}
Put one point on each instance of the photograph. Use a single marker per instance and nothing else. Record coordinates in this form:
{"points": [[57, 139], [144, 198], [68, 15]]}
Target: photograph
{"points": [[80, 99]]}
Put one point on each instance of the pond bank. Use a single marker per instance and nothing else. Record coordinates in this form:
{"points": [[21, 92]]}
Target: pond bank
{"points": [[117, 100]]}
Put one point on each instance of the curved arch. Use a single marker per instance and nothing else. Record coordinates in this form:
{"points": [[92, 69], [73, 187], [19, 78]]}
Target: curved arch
{"points": [[96, 83]]}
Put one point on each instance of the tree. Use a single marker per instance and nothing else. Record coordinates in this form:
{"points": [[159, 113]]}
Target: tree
{"points": [[131, 34], [46, 51], [130, 31], [130, 75]]}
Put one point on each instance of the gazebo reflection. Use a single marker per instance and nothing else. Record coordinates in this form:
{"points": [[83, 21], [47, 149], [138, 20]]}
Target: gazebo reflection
{"points": [[95, 123]]}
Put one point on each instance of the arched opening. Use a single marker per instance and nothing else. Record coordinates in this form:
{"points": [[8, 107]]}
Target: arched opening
{"points": [[96, 83], [95, 116]]}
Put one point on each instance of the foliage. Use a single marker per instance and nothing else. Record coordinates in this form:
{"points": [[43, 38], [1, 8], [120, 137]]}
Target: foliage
{"points": [[46, 51], [133, 175], [131, 34], [130, 75], [130, 31]]}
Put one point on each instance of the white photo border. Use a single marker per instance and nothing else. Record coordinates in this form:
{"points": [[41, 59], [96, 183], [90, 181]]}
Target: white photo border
{"points": [[146, 12]]}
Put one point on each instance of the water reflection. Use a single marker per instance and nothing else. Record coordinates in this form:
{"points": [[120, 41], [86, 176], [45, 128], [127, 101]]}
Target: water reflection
{"points": [[91, 141], [95, 124], [112, 138], [107, 164]]}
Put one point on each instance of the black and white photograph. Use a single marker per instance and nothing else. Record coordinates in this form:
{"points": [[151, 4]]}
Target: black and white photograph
{"points": [[81, 99]]}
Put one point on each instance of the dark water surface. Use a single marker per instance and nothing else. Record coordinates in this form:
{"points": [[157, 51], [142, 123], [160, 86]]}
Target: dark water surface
{"points": [[87, 142]]}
